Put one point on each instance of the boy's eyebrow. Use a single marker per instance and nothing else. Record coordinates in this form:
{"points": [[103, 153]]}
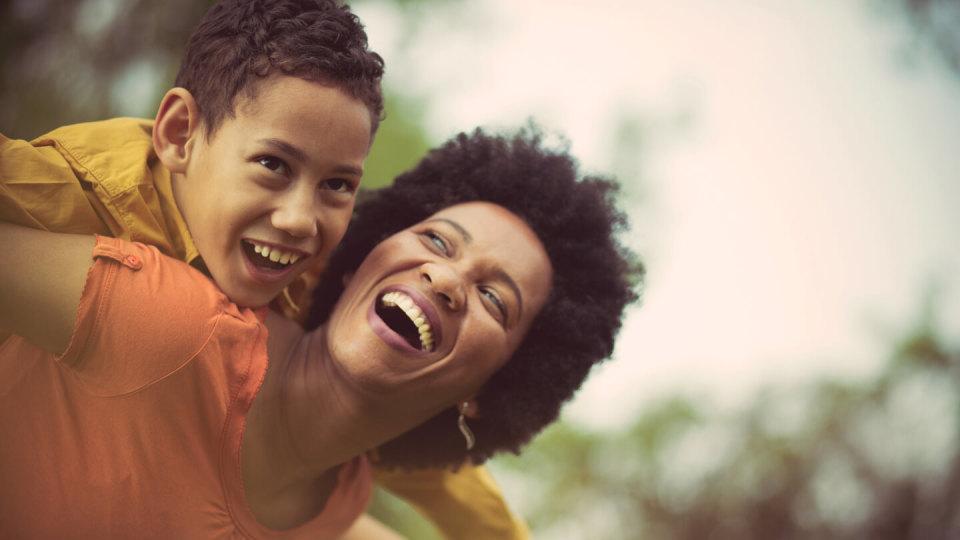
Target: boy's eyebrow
{"points": [[301, 156], [286, 148], [499, 272]]}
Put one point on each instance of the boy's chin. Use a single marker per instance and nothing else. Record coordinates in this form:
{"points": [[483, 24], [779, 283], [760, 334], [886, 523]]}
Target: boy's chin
{"points": [[251, 298]]}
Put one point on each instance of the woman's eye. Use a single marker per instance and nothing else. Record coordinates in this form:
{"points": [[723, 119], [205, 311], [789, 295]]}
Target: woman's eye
{"points": [[438, 242], [338, 184], [273, 164], [491, 295]]}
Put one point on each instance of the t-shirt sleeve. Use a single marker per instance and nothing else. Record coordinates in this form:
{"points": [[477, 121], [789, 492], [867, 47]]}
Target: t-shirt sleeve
{"points": [[142, 315], [40, 189], [465, 503]]}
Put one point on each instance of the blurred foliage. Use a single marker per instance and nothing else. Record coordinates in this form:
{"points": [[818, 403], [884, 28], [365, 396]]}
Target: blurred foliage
{"points": [[876, 458], [401, 517], [936, 23], [400, 143], [69, 61]]}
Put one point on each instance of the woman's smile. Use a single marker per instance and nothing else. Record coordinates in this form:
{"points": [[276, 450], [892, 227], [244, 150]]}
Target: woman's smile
{"points": [[404, 318]]}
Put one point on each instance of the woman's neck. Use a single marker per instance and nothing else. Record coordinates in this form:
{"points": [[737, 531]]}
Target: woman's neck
{"points": [[307, 418], [287, 473]]}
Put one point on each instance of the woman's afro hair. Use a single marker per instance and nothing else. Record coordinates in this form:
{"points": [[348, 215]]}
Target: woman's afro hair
{"points": [[595, 278]]}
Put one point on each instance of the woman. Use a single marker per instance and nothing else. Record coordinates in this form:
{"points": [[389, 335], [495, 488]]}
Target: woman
{"points": [[467, 302]]}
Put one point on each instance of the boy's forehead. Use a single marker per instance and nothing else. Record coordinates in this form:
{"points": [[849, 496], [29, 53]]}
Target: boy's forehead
{"points": [[275, 90], [309, 122], [283, 101], [278, 95]]}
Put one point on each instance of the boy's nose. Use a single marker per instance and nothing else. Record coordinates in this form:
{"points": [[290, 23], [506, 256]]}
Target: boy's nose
{"points": [[296, 214]]}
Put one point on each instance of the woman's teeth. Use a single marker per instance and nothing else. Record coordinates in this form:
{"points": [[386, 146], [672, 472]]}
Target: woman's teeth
{"points": [[410, 309], [274, 254]]}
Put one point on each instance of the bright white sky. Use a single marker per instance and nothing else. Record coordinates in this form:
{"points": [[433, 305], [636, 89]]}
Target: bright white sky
{"points": [[789, 227]]}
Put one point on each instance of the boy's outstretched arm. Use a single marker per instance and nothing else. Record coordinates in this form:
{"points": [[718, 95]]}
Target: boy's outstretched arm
{"points": [[462, 504], [368, 528], [41, 279]]}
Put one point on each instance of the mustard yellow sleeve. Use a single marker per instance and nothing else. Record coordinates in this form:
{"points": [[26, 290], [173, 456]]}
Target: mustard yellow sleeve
{"points": [[39, 189], [462, 504]]}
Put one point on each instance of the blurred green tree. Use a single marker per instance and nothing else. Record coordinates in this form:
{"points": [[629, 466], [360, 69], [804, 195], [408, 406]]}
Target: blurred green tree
{"points": [[874, 458], [936, 24]]}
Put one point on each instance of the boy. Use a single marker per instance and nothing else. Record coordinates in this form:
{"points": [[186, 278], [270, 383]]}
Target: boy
{"points": [[248, 173]]}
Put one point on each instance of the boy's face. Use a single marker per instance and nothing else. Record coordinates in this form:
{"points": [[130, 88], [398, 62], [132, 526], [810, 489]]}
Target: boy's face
{"points": [[272, 192]]}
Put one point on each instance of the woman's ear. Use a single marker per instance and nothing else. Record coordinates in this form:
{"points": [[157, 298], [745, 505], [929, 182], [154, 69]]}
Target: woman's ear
{"points": [[176, 129], [346, 279]]}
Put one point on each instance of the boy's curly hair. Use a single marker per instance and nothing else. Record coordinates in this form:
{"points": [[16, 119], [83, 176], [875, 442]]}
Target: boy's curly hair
{"points": [[240, 41], [595, 277]]}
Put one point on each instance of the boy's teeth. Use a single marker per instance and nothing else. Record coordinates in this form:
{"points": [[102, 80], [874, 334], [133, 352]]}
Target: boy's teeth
{"points": [[275, 255], [405, 303]]}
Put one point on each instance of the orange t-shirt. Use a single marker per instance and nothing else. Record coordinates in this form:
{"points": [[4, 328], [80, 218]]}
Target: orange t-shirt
{"points": [[135, 431]]}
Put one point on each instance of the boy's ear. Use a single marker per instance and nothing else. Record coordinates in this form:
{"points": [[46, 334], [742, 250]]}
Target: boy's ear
{"points": [[176, 129]]}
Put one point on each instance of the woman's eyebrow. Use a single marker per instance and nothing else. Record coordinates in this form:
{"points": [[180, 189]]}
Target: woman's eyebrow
{"points": [[505, 277], [499, 273], [459, 228]]}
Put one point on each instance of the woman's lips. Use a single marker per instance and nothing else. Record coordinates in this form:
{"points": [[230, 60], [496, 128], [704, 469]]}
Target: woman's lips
{"points": [[425, 306], [386, 333]]}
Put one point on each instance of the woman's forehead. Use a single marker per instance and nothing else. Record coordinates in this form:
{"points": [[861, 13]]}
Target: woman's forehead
{"points": [[486, 224]]}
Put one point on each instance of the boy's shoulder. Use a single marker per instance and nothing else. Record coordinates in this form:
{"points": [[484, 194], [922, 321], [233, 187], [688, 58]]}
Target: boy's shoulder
{"points": [[111, 127], [115, 154], [99, 177]]}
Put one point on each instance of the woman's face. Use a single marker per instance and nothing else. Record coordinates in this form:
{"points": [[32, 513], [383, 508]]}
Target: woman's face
{"points": [[435, 309]]}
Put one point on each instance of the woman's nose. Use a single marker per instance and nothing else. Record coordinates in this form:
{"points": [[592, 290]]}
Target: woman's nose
{"points": [[446, 283]]}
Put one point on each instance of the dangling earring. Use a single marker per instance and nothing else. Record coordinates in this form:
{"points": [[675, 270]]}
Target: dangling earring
{"points": [[464, 428], [290, 303]]}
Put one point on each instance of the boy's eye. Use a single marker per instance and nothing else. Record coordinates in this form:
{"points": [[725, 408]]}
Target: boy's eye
{"points": [[338, 184], [438, 242], [492, 296], [273, 164]]}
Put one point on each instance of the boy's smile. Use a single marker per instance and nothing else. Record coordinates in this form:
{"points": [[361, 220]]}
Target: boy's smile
{"points": [[270, 194], [268, 262]]}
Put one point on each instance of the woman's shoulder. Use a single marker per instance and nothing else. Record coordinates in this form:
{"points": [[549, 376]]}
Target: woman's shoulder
{"points": [[148, 315]]}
